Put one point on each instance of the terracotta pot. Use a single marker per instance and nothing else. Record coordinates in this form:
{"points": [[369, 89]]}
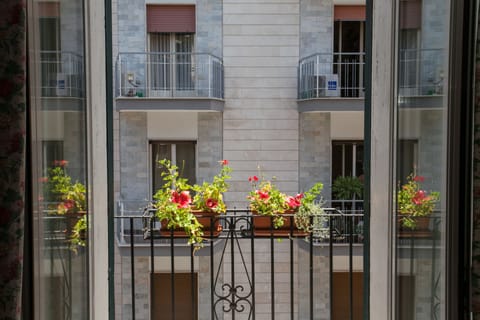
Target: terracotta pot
{"points": [[421, 230], [263, 226], [211, 225]]}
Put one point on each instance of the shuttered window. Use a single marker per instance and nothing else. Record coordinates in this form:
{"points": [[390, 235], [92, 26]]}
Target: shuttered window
{"points": [[411, 17], [171, 18], [349, 13]]}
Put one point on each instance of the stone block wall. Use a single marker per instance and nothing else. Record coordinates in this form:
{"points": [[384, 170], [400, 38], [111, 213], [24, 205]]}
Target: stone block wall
{"points": [[316, 27], [315, 152]]}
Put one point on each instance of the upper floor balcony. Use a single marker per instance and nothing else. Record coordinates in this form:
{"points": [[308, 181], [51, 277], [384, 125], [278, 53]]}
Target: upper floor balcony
{"points": [[62, 78], [331, 82], [335, 82], [421, 78], [169, 81]]}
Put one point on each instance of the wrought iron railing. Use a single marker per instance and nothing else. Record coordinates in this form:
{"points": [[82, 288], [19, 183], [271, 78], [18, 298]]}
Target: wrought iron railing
{"points": [[169, 75], [331, 75], [421, 72], [62, 74], [240, 272]]}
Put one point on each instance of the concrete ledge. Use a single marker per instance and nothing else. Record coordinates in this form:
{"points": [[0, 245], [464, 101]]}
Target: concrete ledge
{"points": [[421, 102], [62, 104], [331, 104], [189, 104]]}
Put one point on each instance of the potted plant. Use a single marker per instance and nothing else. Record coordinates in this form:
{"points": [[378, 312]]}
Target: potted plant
{"points": [[67, 198], [267, 200], [269, 204], [310, 215], [208, 200], [347, 188], [415, 205], [178, 211]]}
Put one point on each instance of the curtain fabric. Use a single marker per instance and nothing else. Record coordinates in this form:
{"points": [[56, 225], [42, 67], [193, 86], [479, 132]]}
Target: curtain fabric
{"points": [[12, 154]]}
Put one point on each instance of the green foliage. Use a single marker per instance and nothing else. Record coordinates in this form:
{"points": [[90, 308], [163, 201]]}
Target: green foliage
{"points": [[347, 187], [78, 237], [310, 216], [209, 195]]}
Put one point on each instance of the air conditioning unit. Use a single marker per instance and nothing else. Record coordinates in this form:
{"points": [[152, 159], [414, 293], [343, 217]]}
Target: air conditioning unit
{"points": [[327, 85]]}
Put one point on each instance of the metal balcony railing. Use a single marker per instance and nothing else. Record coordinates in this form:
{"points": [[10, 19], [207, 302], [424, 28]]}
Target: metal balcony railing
{"points": [[62, 74], [420, 72], [240, 273], [169, 75], [331, 75]]}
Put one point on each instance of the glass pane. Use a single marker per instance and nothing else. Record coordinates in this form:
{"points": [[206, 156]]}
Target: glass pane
{"points": [[160, 151], [186, 160], [60, 160], [421, 159]]}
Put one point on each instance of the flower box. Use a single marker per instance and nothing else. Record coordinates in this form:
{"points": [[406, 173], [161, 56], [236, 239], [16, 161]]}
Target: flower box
{"points": [[209, 221], [263, 226], [421, 230]]}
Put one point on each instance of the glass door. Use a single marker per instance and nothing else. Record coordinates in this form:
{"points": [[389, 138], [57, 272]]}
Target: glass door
{"points": [[421, 159]]}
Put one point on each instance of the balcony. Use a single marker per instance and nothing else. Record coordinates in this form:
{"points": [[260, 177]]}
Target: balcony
{"points": [[331, 82], [169, 81], [239, 274], [421, 78], [62, 80]]}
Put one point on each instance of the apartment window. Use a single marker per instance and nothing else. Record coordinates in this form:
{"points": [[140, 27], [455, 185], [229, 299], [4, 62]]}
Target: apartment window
{"points": [[184, 293], [171, 61], [171, 34], [347, 158], [51, 150], [349, 48], [408, 154], [180, 153]]}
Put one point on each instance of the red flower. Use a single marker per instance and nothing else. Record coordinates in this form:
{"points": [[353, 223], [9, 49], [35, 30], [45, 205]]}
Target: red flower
{"points": [[60, 163], [182, 199], [263, 194], [253, 178], [224, 162], [419, 197], [419, 178], [293, 202], [299, 196], [211, 203], [68, 204]]}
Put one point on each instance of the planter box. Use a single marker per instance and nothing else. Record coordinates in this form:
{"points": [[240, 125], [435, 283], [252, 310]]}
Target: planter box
{"points": [[263, 227], [422, 229]]}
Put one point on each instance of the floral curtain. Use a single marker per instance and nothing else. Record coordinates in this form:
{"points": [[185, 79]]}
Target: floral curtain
{"points": [[12, 154]]}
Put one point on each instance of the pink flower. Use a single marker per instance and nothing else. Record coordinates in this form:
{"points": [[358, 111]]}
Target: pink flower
{"points": [[293, 202], [419, 197], [299, 196], [224, 162], [419, 178], [253, 178], [182, 199], [211, 203]]}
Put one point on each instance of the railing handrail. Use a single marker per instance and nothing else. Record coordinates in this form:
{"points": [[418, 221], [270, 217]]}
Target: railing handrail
{"points": [[170, 53], [331, 54]]}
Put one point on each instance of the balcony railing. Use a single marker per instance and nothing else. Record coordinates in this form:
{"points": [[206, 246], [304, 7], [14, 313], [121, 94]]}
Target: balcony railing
{"points": [[331, 75], [239, 273], [169, 75], [62, 74], [420, 72]]}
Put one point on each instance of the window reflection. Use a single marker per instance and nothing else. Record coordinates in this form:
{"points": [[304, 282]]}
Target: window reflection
{"points": [[59, 146], [421, 155]]}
